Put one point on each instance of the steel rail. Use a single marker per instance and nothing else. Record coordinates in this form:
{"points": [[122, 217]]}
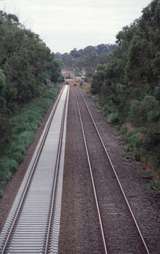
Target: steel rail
{"points": [[92, 180], [55, 181], [116, 176], [30, 176]]}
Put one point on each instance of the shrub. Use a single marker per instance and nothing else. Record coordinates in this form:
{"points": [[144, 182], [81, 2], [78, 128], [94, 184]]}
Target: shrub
{"points": [[9, 166], [134, 111], [145, 111], [134, 140], [113, 118]]}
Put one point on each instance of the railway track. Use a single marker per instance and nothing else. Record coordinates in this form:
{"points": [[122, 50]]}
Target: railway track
{"points": [[119, 228], [34, 220]]}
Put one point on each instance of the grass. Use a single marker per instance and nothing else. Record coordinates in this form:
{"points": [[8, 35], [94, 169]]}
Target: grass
{"points": [[24, 124]]}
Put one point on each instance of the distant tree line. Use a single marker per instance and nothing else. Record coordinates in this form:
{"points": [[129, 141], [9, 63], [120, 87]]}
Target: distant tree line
{"points": [[129, 83], [85, 59], [27, 67]]}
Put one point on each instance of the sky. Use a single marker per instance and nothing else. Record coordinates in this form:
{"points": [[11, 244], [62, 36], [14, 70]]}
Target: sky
{"points": [[68, 24]]}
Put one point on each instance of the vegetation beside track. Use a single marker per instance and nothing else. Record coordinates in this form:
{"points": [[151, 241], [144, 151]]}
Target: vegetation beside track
{"points": [[28, 74], [27, 68], [23, 125], [128, 88]]}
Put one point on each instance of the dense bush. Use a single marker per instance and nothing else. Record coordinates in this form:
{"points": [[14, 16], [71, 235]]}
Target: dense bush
{"points": [[144, 111], [27, 67], [128, 85]]}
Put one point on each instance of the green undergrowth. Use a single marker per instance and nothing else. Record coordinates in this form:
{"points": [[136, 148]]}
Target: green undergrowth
{"points": [[142, 141], [144, 146], [23, 124]]}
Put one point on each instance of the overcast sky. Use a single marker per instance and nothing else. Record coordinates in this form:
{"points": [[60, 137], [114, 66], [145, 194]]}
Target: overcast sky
{"points": [[68, 24]]}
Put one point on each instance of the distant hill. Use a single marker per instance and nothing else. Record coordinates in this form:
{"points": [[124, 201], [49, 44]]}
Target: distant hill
{"points": [[87, 59]]}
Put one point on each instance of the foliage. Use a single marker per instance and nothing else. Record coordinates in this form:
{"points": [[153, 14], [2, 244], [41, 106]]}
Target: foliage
{"points": [[26, 63], [27, 68], [24, 123], [144, 111], [128, 84], [28, 73], [85, 60]]}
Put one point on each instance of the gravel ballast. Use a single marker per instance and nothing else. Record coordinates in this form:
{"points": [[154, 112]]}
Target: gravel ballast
{"points": [[79, 232]]}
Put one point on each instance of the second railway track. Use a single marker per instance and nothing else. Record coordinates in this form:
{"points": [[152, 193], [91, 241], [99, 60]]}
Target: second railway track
{"points": [[33, 223], [119, 228]]}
